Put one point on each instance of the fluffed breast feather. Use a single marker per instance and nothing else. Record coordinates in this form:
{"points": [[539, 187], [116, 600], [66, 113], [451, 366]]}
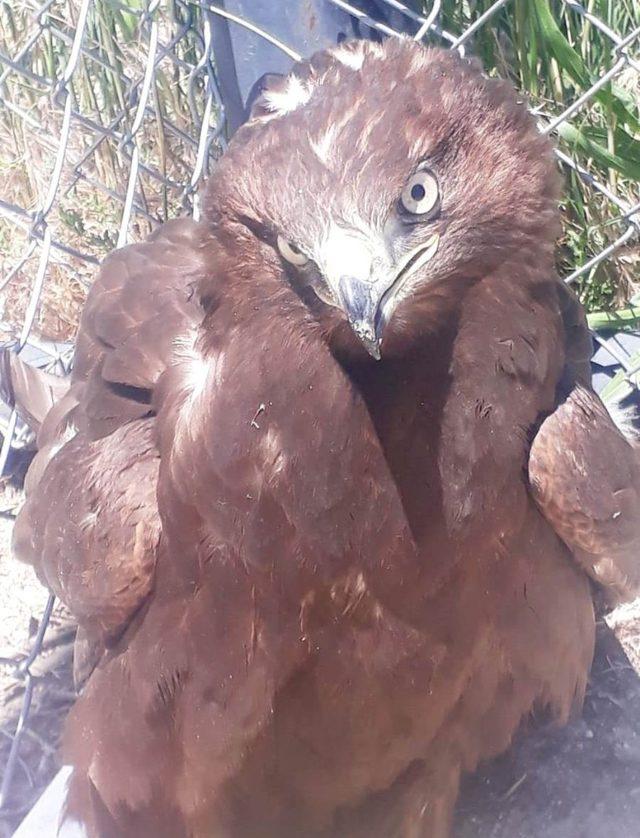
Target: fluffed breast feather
{"points": [[90, 525]]}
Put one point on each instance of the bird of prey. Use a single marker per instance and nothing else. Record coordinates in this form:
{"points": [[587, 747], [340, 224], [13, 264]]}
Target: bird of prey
{"points": [[330, 488]]}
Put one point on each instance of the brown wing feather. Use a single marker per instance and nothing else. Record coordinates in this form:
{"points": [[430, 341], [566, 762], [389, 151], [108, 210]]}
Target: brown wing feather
{"points": [[90, 525], [585, 477], [93, 525], [141, 302]]}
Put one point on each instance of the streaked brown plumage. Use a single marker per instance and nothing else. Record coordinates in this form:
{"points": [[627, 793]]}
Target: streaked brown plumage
{"points": [[314, 587]]}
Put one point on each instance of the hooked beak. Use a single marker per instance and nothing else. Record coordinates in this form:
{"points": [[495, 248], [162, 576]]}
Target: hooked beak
{"points": [[361, 304], [368, 303]]}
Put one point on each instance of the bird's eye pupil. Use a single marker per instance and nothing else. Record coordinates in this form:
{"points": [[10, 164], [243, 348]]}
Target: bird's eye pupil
{"points": [[294, 248], [420, 195]]}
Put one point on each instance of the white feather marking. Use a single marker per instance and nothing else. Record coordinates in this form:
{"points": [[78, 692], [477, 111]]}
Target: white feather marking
{"points": [[184, 345], [272, 449], [419, 60], [417, 148], [294, 94], [364, 137], [89, 520], [198, 376], [323, 145], [67, 435], [198, 370], [350, 56]]}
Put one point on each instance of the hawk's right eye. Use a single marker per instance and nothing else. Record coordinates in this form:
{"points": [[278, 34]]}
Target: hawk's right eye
{"points": [[291, 252], [420, 194]]}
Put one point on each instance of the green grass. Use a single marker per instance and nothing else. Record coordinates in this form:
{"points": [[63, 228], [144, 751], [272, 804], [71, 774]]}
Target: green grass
{"points": [[554, 55], [545, 48]]}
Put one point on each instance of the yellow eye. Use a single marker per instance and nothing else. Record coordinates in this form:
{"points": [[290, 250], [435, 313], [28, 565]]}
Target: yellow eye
{"points": [[291, 252], [420, 194]]}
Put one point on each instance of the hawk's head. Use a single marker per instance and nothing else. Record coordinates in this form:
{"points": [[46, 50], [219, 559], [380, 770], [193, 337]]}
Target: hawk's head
{"points": [[388, 177]]}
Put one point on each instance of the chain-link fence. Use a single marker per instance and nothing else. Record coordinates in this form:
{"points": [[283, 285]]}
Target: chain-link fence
{"points": [[113, 112]]}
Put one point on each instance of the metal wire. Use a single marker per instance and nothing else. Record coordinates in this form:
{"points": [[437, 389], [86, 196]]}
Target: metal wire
{"points": [[178, 42], [22, 670]]}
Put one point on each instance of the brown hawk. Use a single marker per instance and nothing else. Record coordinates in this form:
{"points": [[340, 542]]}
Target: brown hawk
{"points": [[330, 484]]}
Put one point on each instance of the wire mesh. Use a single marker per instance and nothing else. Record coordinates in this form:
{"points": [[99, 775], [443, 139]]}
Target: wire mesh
{"points": [[109, 129]]}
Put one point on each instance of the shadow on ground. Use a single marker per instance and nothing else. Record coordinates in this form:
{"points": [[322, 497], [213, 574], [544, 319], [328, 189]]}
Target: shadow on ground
{"points": [[581, 781]]}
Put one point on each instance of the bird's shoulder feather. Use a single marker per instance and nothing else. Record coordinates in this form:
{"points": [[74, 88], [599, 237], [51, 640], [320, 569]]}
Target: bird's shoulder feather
{"points": [[142, 304]]}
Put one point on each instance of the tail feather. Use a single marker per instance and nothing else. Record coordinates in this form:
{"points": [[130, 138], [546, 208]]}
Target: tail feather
{"points": [[31, 391]]}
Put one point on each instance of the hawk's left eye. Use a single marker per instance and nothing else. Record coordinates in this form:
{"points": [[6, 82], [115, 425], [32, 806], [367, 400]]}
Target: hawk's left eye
{"points": [[420, 194], [291, 252]]}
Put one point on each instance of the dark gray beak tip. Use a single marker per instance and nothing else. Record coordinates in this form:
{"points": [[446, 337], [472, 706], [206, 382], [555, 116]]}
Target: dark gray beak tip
{"points": [[369, 339], [360, 304], [373, 348]]}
